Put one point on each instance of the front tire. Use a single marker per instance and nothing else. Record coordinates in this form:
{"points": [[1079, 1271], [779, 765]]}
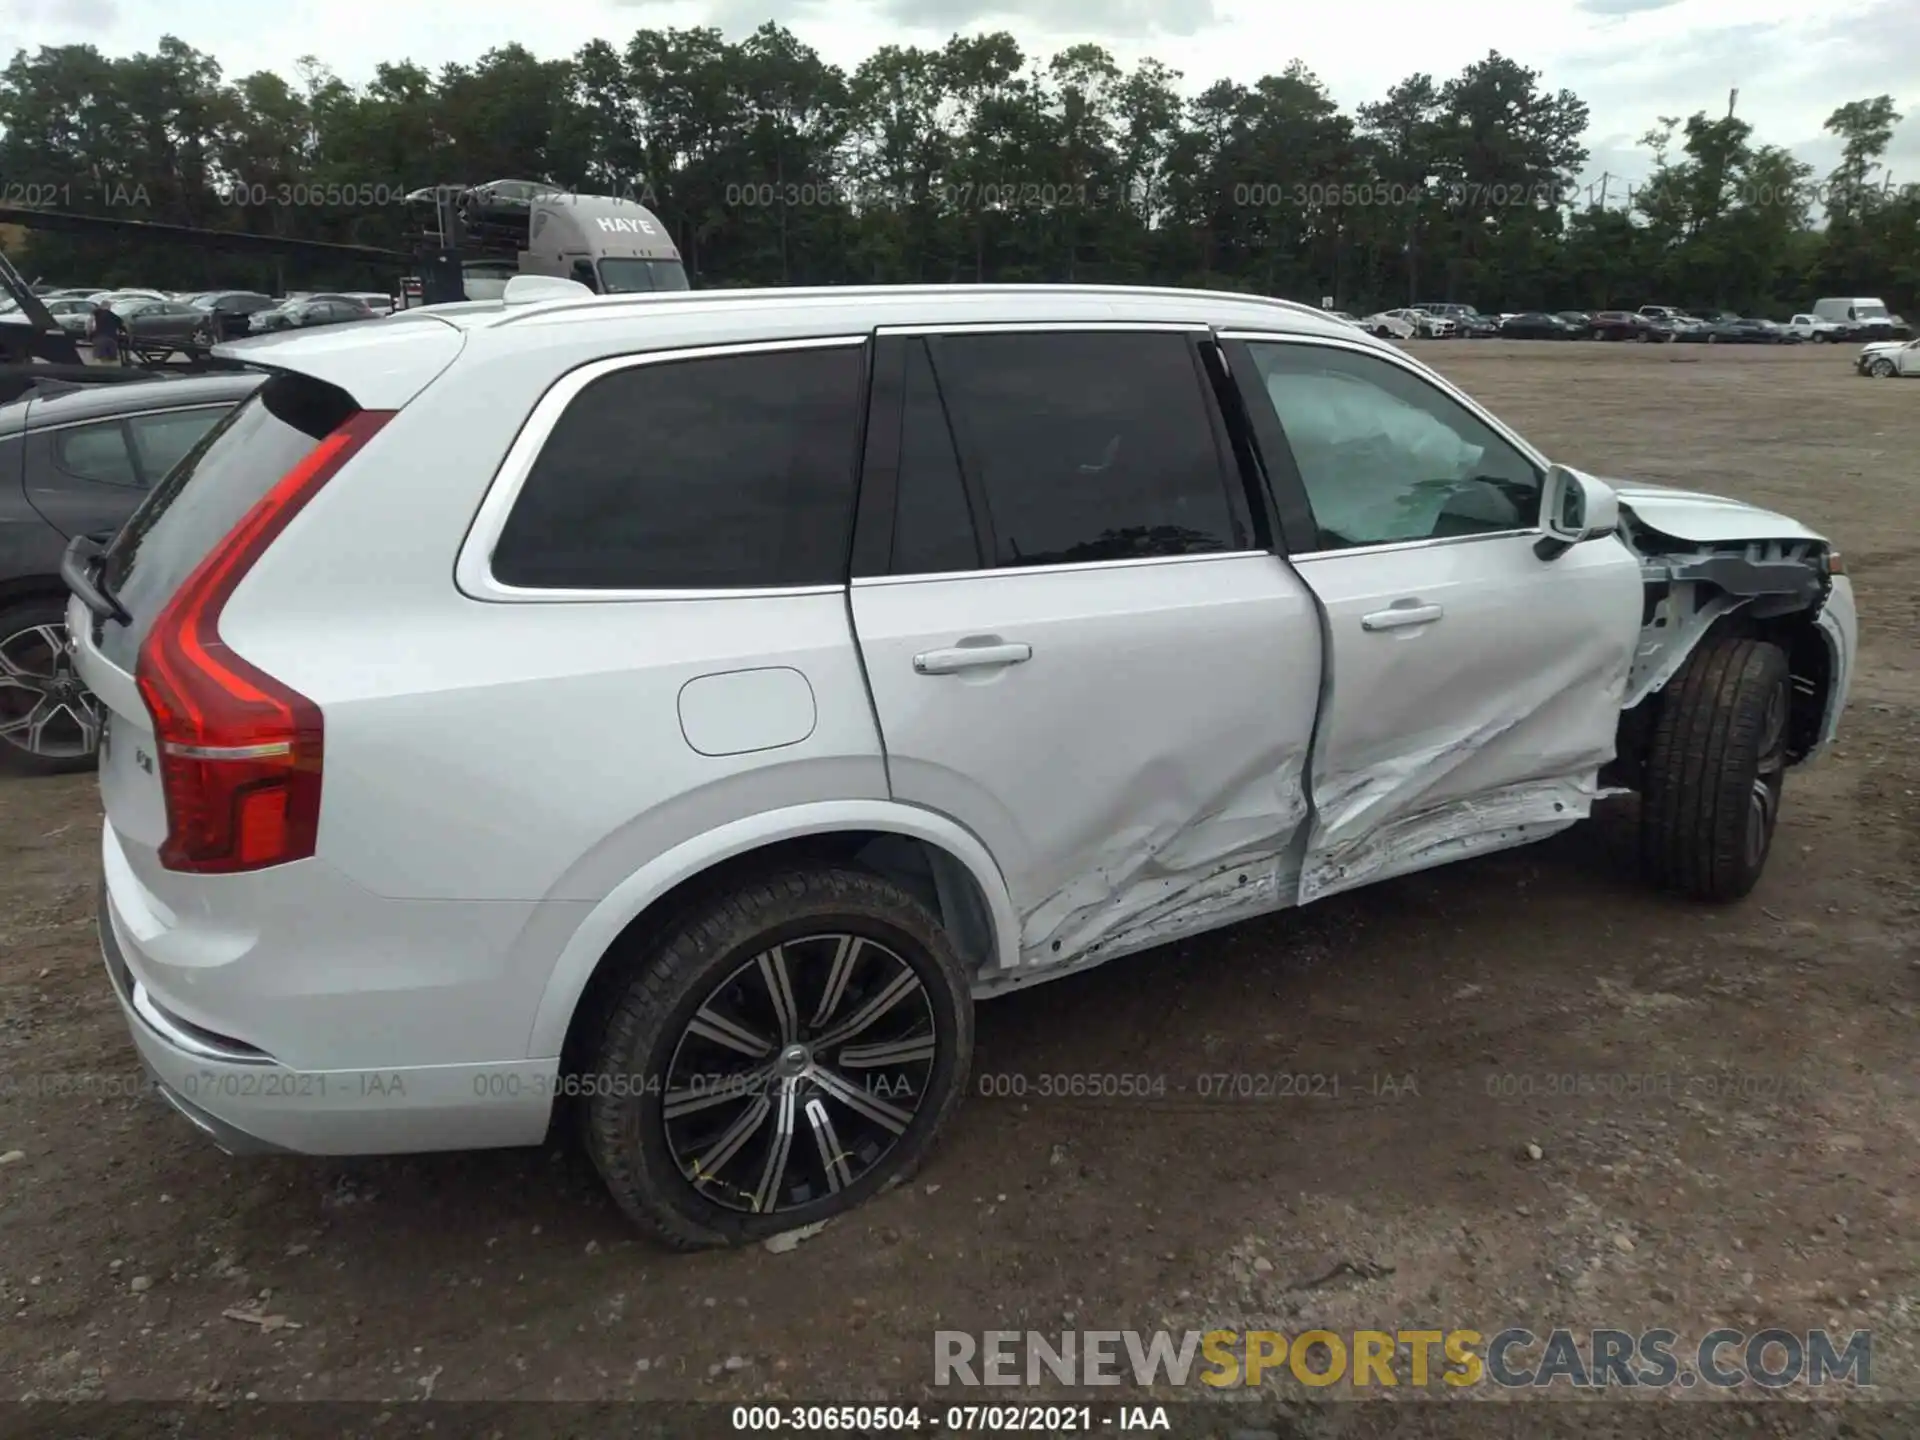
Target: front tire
{"points": [[787, 1052], [1714, 770], [1881, 369]]}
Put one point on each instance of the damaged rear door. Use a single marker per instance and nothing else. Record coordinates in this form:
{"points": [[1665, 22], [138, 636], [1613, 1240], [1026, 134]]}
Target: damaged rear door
{"points": [[1077, 644], [1473, 687]]}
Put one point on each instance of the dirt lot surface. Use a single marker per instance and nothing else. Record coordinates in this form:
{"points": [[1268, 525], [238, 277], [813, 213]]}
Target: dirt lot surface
{"points": [[1745, 1152]]}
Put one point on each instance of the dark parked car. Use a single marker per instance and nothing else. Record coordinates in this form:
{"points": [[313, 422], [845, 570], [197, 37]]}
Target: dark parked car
{"points": [[1537, 325], [1615, 325], [1476, 326], [157, 326], [309, 310], [1579, 319], [231, 309], [1745, 332], [76, 460]]}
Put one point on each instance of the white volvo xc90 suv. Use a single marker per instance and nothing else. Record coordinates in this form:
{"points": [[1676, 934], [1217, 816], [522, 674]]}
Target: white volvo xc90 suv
{"points": [[687, 705]]}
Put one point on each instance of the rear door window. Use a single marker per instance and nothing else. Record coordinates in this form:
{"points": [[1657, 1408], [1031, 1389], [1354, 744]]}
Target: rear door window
{"points": [[1088, 446], [722, 472], [211, 488]]}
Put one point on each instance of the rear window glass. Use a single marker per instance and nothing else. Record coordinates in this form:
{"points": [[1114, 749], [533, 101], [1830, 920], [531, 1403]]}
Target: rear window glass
{"points": [[727, 472], [207, 493]]}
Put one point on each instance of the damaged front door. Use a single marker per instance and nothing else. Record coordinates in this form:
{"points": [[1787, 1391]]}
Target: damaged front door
{"points": [[1075, 646], [1474, 686]]}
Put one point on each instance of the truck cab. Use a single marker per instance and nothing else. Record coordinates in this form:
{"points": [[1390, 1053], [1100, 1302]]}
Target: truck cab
{"points": [[612, 245]]}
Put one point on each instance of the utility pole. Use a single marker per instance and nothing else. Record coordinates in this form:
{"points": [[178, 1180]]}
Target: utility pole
{"points": [[1605, 177], [1733, 97]]}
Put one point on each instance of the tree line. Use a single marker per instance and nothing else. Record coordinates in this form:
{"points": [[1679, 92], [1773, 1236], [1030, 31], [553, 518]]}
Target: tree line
{"points": [[970, 162]]}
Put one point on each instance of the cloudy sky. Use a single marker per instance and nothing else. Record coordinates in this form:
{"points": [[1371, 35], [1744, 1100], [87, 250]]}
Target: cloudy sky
{"points": [[1631, 60]]}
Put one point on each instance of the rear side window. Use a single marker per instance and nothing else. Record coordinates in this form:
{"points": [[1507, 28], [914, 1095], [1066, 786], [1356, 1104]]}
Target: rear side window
{"points": [[730, 472], [95, 452], [162, 441], [214, 484], [1088, 445]]}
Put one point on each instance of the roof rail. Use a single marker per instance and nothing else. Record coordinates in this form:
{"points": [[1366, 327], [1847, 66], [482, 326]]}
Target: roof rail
{"points": [[538, 308]]}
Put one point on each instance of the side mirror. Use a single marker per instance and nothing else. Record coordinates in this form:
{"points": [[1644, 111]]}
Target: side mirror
{"points": [[1574, 507]]}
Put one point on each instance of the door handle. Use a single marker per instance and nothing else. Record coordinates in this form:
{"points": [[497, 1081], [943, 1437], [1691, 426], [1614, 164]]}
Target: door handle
{"points": [[1400, 615], [988, 654]]}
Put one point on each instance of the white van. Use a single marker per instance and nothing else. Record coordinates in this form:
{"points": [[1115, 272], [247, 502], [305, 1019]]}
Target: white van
{"points": [[1866, 315]]}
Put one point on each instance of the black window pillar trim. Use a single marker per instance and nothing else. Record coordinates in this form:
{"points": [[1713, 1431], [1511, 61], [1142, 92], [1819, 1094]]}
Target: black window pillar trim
{"points": [[879, 479], [1284, 488]]}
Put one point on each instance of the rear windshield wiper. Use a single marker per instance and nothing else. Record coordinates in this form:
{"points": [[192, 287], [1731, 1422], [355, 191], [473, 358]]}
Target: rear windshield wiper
{"points": [[80, 567]]}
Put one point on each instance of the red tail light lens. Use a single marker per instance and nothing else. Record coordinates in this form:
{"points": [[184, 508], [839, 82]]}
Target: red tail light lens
{"points": [[239, 752]]}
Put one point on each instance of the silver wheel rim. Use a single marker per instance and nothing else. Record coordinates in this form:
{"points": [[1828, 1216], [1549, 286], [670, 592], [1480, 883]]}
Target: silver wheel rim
{"points": [[799, 1073], [45, 710], [1763, 801], [1882, 368]]}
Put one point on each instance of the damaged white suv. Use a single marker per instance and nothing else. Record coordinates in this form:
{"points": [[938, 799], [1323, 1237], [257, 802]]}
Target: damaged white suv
{"points": [[687, 705]]}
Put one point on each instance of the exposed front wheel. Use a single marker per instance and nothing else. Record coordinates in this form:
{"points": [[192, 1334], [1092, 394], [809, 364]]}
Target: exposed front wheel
{"points": [[49, 721], [1714, 770], [1881, 369], [786, 1053]]}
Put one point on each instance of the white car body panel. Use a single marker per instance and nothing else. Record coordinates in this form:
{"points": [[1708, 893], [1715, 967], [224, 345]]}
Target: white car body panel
{"points": [[1705, 519], [382, 367], [588, 942], [1188, 687], [1481, 727], [1839, 623]]}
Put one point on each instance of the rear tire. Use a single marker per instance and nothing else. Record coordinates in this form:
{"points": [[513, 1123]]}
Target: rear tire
{"points": [[1714, 770], [738, 1009], [49, 723]]}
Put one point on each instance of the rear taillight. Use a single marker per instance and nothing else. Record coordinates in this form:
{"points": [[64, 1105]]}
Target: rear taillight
{"points": [[239, 751]]}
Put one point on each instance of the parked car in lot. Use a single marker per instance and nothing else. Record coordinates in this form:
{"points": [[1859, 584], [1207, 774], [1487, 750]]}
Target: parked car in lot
{"points": [[1581, 320], [1467, 321], [1885, 359], [1427, 326], [1813, 328], [1391, 325], [69, 313], [232, 309], [307, 311], [1538, 325], [114, 298], [76, 460], [1615, 325], [163, 326], [1304, 615], [376, 302], [1865, 316]]}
